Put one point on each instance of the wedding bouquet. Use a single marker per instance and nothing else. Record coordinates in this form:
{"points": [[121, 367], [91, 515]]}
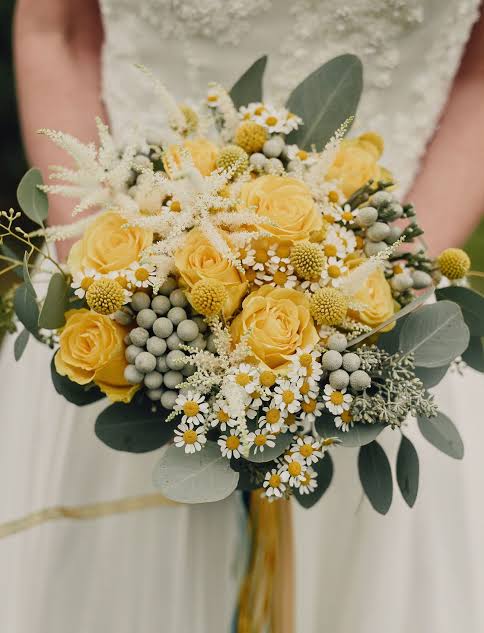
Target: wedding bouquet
{"points": [[248, 293]]}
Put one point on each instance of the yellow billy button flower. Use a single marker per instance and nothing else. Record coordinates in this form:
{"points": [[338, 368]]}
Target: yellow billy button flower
{"points": [[328, 306], [454, 263], [233, 157], [250, 136], [208, 297], [105, 296], [308, 260]]}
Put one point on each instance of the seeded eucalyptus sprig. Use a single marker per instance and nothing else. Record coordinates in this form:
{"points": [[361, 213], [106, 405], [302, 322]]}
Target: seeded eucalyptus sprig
{"points": [[364, 193]]}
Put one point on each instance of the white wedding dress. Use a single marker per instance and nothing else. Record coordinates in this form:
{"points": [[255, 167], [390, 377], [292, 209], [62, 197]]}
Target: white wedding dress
{"points": [[172, 569]]}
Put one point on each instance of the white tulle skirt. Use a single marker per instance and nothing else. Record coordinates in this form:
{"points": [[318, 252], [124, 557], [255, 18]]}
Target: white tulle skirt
{"points": [[173, 569]]}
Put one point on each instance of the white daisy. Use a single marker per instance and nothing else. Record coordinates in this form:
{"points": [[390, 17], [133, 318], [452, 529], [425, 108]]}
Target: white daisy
{"points": [[256, 259], [293, 470], [193, 407], [310, 410], [348, 215], [213, 97], [308, 448], [252, 110], [287, 395], [220, 416], [246, 376], [273, 417], [230, 444], [278, 276], [273, 484], [333, 244], [344, 421], [191, 438], [305, 363], [256, 401], [332, 213], [279, 253], [348, 237], [82, 280], [260, 439], [139, 274], [336, 400], [306, 158], [308, 483]]}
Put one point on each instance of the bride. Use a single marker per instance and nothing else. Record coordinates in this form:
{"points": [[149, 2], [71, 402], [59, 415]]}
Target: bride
{"points": [[173, 568]]}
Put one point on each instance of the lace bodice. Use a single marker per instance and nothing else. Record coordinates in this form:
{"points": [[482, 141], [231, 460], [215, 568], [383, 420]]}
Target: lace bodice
{"points": [[410, 50]]}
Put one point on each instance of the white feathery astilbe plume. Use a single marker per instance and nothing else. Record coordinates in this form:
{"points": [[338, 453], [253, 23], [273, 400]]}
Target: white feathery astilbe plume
{"points": [[101, 174]]}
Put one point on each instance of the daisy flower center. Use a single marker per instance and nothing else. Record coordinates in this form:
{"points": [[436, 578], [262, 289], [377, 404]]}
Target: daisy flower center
{"points": [[222, 416], [333, 196], [86, 282], [306, 450], [330, 250], [283, 250], [346, 417], [233, 442], [141, 274], [280, 277], [190, 436], [261, 256], [190, 408], [243, 379], [175, 206], [259, 110], [306, 360], [260, 440], [267, 378], [304, 388], [306, 480], [250, 275], [212, 98], [309, 407], [294, 469], [302, 155], [334, 271], [329, 218], [275, 481], [271, 120], [347, 215], [337, 397], [288, 397], [273, 416], [122, 281]]}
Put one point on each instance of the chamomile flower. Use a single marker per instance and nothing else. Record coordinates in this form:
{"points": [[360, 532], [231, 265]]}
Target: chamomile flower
{"points": [[293, 470], [273, 485], [310, 410], [348, 238], [230, 444], [344, 421], [280, 253], [308, 448], [139, 274], [348, 214], [255, 109], [290, 424], [245, 376], [287, 395], [213, 97], [193, 407], [332, 213], [305, 363], [335, 271], [220, 416], [191, 438], [272, 418], [308, 387], [256, 259], [336, 400], [279, 276], [308, 483], [260, 439], [82, 280], [173, 205], [296, 153]]}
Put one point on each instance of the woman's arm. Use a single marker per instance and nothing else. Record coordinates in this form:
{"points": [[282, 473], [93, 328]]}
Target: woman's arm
{"points": [[449, 190], [57, 46]]}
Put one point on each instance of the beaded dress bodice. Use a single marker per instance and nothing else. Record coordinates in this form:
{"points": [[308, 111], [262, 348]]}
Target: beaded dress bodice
{"points": [[410, 50]]}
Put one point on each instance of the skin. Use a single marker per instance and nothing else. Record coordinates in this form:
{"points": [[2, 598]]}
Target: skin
{"points": [[57, 50]]}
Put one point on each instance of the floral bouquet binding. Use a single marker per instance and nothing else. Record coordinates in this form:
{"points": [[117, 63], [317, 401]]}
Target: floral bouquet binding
{"points": [[248, 294]]}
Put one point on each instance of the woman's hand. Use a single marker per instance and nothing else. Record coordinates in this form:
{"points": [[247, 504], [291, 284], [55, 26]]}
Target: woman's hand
{"points": [[449, 190], [57, 45]]}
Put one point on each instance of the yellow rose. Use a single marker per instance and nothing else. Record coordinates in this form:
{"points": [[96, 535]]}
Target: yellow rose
{"points": [[92, 350], [203, 152], [357, 162], [108, 245], [199, 259], [287, 202], [279, 321], [376, 295]]}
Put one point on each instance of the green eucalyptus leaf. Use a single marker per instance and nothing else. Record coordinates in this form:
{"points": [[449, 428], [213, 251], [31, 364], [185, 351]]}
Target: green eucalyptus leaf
{"points": [[26, 308], [324, 468], [474, 354], [79, 395], [471, 303], [31, 199], [248, 88], [133, 427], [281, 442], [376, 476], [325, 100], [26, 275], [359, 435], [9, 252], [55, 303], [201, 477], [431, 376], [20, 344], [436, 334], [441, 432], [407, 471]]}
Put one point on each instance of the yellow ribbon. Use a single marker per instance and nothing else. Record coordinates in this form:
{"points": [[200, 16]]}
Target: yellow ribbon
{"points": [[83, 512]]}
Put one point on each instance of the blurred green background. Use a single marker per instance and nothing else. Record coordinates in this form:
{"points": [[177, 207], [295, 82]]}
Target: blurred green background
{"points": [[12, 161]]}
